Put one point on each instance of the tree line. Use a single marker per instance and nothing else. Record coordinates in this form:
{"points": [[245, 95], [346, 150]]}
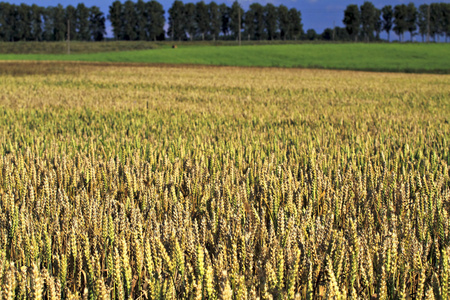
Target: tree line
{"points": [[367, 22], [141, 20], [55, 23], [189, 21]]}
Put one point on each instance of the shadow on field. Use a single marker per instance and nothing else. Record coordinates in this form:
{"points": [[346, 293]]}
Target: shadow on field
{"points": [[28, 68], [41, 68]]}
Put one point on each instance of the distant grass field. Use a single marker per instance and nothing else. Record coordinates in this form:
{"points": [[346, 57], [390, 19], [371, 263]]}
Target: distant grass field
{"points": [[417, 58], [76, 47], [79, 47]]}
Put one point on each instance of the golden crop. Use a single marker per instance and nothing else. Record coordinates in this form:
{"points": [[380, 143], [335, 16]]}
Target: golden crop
{"points": [[164, 182]]}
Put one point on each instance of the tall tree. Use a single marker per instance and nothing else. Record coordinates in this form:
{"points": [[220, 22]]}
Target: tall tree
{"points": [[411, 19], [388, 19], [296, 26], [115, 17], [36, 22], [156, 20], [270, 16], [422, 20], [400, 17], [23, 22], [202, 18], [71, 17], [59, 23], [82, 24], [249, 21], [6, 30], [176, 20], [97, 24], [190, 22], [258, 21], [352, 21], [47, 15], [236, 11], [129, 21], [12, 21], [436, 17], [225, 13], [141, 20], [378, 23], [215, 19], [368, 19], [446, 19], [283, 21]]}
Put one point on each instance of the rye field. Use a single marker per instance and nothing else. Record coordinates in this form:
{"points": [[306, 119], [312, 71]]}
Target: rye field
{"points": [[191, 182]]}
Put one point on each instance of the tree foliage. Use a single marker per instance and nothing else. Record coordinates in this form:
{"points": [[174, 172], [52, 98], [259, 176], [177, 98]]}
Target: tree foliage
{"points": [[190, 24], [97, 24], [82, 23], [284, 22], [400, 21], [202, 18], [236, 18], [296, 25], [270, 16], [411, 19], [368, 20], [352, 20], [215, 20], [177, 20], [155, 20], [388, 19]]}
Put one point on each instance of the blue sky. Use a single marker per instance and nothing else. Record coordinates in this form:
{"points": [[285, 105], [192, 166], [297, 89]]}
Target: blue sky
{"points": [[316, 14]]}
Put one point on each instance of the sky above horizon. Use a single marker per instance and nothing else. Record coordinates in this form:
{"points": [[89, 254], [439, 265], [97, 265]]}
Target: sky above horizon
{"points": [[316, 14]]}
